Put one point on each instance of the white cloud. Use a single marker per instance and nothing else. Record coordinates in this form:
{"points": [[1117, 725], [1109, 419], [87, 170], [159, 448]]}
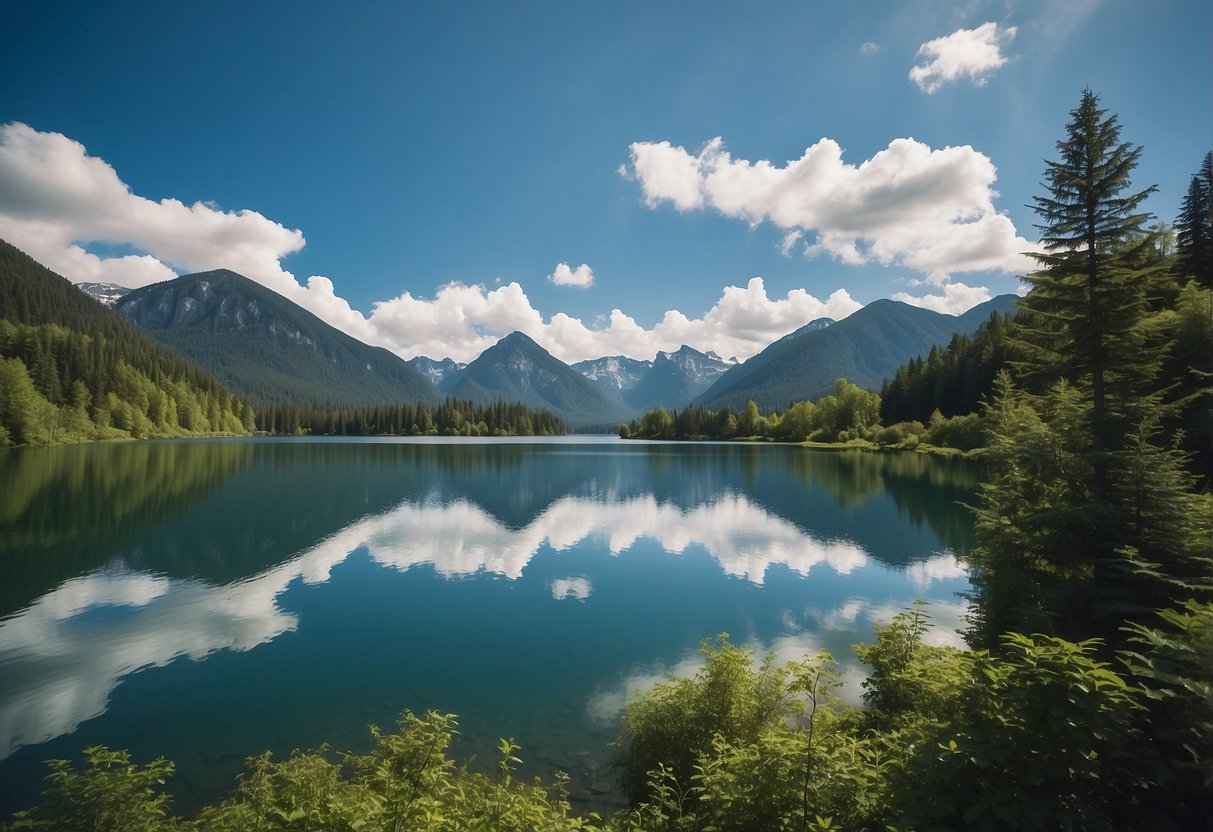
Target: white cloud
{"points": [[461, 321], [956, 298], [869, 48], [789, 241], [55, 197], [966, 53], [55, 200], [926, 209], [668, 173], [582, 277]]}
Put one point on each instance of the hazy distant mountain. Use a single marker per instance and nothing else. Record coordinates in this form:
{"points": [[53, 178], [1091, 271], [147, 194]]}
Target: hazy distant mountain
{"points": [[516, 369], [863, 348], [106, 293], [267, 348], [616, 373], [676, 378], [436, 371]]}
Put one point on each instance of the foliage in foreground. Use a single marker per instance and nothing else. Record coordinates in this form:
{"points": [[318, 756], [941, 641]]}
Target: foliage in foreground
{"points": [[1044, 734], [406, 782]]}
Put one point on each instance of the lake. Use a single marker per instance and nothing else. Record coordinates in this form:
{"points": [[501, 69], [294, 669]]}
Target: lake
{"points": [[208, 600]]}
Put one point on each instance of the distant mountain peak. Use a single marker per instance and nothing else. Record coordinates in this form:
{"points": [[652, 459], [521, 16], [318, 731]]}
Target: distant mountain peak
{"points": [[516, 369], [107, 294], [436, 370], [519, 338]]}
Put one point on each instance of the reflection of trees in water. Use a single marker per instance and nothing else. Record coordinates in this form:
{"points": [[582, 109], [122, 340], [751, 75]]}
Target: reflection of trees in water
{"points": [[67, 510], [220, 511], [927, 490]]}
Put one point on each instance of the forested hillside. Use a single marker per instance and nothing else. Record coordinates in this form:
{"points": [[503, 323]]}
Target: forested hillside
{"points": [[953, 380], [268, 349], [72, 370], [863, 348]]}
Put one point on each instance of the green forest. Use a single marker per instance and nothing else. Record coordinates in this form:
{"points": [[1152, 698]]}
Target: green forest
{"points": [[72, 370], [1086, 699], [453, 417]]}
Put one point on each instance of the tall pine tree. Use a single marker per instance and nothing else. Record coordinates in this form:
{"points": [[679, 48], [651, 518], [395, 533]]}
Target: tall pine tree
{"points": [[1194, 226], [1088, 298]]}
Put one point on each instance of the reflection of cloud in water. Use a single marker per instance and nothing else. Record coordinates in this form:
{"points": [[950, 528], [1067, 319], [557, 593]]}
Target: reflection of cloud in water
{"points": [[461, 539], [578, 588], [947, 617], [59, 672], [58, 669], [939, 568], [855, 618]]}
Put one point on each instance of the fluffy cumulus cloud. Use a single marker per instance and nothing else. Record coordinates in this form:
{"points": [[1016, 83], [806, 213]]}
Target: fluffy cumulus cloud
{"points": [[966, 53], [953, 299], [911, 205], [461, 321], [56, 200], [582, 277]]}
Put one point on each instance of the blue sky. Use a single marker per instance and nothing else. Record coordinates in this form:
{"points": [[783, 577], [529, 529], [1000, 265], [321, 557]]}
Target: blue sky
{"points": [[437, 162]]}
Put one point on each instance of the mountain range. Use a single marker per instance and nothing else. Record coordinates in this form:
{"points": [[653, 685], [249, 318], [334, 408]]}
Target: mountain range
{"points": [[863, 348], [519, 370], [268, 349], [671, 380]]}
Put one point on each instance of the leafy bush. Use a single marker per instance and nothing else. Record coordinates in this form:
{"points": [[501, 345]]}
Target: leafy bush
{"points": [[406, 782], [677, 722]]}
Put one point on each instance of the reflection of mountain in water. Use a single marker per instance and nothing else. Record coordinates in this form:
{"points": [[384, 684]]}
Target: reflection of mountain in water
{"points": [[220, 511]]}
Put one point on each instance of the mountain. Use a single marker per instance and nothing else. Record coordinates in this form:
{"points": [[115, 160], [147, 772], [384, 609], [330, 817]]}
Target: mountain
{"points": [[105, 293], [676, 378], [436, 371], [267, 348], [73, 370], [863, 348], [516, 369], [811, 326], [616, 373]]}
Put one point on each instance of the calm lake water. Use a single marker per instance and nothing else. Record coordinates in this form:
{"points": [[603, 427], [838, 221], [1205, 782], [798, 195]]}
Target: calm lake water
{"points": [[208, 600]]}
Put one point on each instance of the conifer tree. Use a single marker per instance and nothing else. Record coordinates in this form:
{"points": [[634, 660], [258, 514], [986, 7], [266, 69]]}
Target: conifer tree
{"points": [[1088, 298], [1194, 226]]}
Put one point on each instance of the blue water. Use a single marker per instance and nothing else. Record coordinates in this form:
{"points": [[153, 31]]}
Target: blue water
{"points": [[208, 600]]}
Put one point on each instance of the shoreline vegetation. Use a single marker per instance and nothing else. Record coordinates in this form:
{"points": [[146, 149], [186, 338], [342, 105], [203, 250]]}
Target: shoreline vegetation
{"points": [[1085, 700], [847, 419]]}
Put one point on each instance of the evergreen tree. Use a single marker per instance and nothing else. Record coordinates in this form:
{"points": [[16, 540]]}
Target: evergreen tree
{"points": [[1194, 226], [1088, 300]]}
